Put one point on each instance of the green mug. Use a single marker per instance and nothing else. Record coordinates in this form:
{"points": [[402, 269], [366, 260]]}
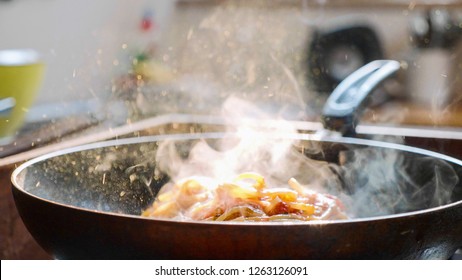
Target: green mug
{"points": [[21, 74]]}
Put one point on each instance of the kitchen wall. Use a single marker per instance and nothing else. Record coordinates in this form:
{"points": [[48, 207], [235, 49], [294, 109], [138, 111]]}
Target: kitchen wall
{"points": [[83, 43]]}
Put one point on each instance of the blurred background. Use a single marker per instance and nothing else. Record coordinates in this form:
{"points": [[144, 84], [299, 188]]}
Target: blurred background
{"points": [[113, 63], [126, 60]]}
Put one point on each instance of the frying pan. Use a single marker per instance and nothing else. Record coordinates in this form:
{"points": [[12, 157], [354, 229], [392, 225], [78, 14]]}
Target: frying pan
{"points": [[76, 211]]}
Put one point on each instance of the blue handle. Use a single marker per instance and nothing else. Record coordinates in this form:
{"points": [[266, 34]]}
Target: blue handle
{"points": [[340, 110]]}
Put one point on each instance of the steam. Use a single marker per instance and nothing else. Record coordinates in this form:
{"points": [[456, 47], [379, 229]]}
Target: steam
{"points": [[233, 63], [370, 181], [247, 147], [388, 181], [231, 51], [239, 68]]}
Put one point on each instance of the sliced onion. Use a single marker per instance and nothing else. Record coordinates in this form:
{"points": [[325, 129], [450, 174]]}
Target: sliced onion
{"points": [[240, 211], [237, 191], [287, 217], [165, 210], [308, 209], [285, 195], [259, 180], [295, 185]]}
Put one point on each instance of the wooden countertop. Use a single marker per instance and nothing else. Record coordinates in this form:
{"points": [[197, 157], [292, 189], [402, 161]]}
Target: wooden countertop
{"points": [[16, 242], [404, 113]]}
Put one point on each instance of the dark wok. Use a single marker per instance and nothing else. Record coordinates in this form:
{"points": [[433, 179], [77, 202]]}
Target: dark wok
{"points": [[73, 214]]}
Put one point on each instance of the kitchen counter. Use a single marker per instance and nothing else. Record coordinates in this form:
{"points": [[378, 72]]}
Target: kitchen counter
{"points": [[16, 242], [406, 113]]}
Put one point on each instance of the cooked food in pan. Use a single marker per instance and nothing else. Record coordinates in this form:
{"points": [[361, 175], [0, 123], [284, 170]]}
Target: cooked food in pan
{"points": [[246, 198]]}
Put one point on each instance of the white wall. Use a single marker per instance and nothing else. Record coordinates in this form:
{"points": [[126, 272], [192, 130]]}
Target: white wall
{"points": [[80, 40]]}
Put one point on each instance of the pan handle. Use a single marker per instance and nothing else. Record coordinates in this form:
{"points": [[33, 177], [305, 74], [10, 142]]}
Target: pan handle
{"points": [[340, 111]]}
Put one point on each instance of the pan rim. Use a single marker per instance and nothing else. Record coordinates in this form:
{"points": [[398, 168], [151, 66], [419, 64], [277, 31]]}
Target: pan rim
{"points": [[217, 135]]}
